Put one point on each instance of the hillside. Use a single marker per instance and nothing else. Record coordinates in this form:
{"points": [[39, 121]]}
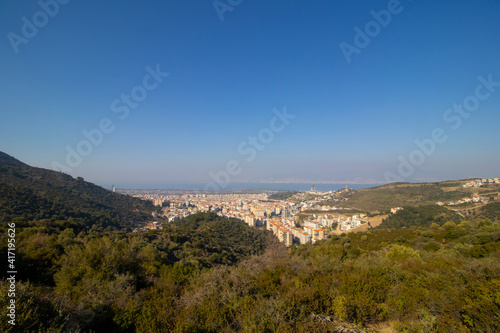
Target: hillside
{"points": [[207, 273], [421, 216], [34, 193], [115, 275], [384, 197], [282, 195], [212, 239], [490, 211]]}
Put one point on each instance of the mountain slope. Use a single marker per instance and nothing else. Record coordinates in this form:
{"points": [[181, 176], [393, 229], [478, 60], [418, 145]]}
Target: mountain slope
{"points": [[35, 193], [421, 216], [490, 211], [384, 197]]}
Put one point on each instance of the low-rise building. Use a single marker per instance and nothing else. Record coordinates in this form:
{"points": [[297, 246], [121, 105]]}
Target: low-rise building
{"points": [[396, 209]]}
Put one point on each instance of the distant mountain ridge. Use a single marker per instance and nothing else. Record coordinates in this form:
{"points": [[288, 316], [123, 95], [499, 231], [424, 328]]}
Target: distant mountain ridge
{"points": [[36, 193]]}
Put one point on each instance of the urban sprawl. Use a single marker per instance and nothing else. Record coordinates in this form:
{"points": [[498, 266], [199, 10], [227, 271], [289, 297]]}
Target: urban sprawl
{"points": [[279, 216], [257, 210]]}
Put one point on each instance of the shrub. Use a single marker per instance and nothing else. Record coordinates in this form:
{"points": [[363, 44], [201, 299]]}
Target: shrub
{"points": [[400, 253]]}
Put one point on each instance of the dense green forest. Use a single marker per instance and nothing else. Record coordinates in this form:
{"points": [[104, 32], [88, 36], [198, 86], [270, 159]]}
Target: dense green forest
{"points": [[207, 273], [34, 194], [282, 195], [425, 216], [70, 274], [422, 216]]}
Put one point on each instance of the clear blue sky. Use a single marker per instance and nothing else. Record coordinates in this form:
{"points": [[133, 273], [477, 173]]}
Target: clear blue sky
{"points": [[354, 120]]}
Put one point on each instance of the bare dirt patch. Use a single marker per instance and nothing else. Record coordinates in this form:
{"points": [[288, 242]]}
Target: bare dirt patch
{"points": [[373, 222]]}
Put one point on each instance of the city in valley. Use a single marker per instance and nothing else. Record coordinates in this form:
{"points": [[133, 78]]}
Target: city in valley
{"points": [[297, 219]]}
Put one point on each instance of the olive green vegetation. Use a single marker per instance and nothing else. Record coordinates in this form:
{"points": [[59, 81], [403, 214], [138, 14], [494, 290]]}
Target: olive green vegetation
{"points": [[422, 216], [36, 194], [207, 273], [425, 216], [103, 281], [490, 211], [383, 198], [282, 195]]}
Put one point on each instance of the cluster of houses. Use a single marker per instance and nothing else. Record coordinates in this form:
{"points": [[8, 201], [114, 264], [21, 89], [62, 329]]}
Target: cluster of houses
{"points": [[283, 223], [474, 199], [348, 223], [480, 182], [288, 233], [256, 210]]}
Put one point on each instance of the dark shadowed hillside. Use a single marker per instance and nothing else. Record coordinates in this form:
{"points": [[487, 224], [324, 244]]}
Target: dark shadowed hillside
{"points": [[422, 216], [35, 193]]}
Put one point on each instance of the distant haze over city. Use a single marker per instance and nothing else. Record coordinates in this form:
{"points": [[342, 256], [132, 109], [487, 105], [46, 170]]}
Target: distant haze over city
{"points": [[200, 187]]}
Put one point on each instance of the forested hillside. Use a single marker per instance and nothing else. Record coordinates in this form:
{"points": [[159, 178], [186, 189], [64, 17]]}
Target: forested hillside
{"points": [[282, 195], [206, 273], [491, 211], [34, 193], [103, 281], [421, 216]]}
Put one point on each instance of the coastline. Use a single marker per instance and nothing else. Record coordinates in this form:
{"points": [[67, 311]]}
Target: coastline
{"points": [[243, 187]]}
